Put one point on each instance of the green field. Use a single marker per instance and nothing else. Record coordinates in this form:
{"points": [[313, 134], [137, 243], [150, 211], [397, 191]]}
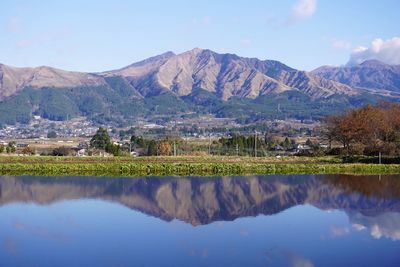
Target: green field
{"points": [[185, 166]]}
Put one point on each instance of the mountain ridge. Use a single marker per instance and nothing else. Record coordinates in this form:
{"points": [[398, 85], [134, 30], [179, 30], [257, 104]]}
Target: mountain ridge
{"points": [[228, 75], [196, 81], [13, 79], [370, 74], [200, 201]]}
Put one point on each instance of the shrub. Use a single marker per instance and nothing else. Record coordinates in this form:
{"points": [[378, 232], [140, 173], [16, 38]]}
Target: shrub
{"points": [[52, 134], [165, 148], [62, 151], [11, 147], [28, 151], [113, 149]]}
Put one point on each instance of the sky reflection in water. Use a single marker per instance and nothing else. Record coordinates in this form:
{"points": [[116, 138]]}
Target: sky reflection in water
{"points": [[298, 221]]}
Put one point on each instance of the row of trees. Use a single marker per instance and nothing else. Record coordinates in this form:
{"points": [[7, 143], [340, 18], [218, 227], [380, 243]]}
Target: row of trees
{"points": [[241, 145], [368, 130], [235, 145], [101, 140], [152, 147], [9, 148], [246, 145]]}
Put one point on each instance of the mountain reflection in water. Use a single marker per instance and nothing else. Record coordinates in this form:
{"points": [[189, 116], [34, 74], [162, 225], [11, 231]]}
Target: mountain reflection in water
{"points": [[279, 221], [371, 202]]}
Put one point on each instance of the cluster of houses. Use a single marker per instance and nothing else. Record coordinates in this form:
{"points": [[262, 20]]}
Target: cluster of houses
{"points": [[82, 150], [300, 148], [39, 128]]}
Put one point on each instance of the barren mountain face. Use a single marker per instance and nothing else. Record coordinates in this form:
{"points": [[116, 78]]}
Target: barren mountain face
{"points": [[13, 79], [371, 74], [226, 75], [197, 81]]}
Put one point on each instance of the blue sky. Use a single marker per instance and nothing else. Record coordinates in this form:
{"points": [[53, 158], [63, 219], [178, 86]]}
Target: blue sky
{"points": [[103, 35]]}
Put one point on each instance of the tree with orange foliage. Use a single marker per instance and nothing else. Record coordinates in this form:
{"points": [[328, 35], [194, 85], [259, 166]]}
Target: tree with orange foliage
{"points": [[164, 148], [28, 151], [374, 128]]}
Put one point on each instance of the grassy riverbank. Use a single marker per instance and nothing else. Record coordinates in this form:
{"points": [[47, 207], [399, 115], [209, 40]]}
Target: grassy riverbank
{"points": [[116, 166]]}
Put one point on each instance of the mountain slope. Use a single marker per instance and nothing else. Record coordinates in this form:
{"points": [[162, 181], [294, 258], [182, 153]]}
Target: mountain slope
{"points": [[371, 74], [198, 81], [226, 75], [13, 80]]}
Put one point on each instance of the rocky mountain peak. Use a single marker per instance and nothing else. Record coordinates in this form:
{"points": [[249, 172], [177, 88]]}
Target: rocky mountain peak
{"points": [[226, 75], [373, 63]]}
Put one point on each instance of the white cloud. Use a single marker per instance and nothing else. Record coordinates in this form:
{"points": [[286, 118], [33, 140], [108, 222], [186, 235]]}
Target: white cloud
{"points": [[304, 8], [300, 261], [383, 225], [360, 49], [358, 227], [341, 44], [338, 231], [387, 51]]}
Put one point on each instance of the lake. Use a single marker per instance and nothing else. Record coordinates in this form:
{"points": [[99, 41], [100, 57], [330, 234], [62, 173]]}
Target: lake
{"points": [[287, 220]]}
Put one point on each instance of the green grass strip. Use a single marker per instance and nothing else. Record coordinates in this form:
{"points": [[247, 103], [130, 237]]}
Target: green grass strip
{"points": [[189, 169]]}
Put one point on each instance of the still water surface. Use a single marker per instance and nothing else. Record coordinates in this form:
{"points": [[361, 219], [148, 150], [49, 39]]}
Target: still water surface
{"points": [[298, 221]]}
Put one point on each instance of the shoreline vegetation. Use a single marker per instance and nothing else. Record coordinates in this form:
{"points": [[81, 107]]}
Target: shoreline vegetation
{"points": [[191, 166]]}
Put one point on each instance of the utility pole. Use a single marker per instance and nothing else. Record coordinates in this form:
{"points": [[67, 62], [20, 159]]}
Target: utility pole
{"points": [[255, 143], [237, 150], [380, 157], [176, 134], [209, 144], [174, 148]]}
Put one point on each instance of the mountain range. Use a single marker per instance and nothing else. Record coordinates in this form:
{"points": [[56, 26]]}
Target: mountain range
{"points": [[367, 200], [195, 82]]}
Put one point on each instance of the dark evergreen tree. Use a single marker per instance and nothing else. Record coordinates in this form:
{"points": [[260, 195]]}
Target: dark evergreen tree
{"points": [[52, 134], [101, 139], [286, 143], [152, 148]]}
